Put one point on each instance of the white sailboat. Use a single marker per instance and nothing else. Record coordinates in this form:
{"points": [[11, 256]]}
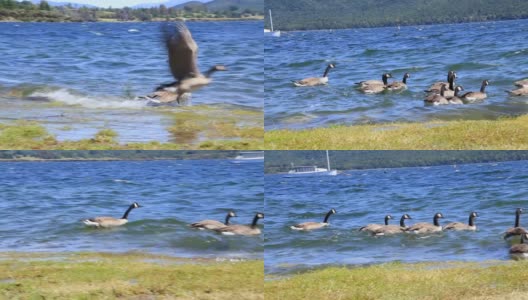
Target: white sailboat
{"points": [[312, 170], [268, 32]]}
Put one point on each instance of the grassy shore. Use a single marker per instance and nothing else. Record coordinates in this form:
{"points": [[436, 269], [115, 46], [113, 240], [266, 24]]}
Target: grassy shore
{"points": [[126, 276], [489, 280], [501, 134]]}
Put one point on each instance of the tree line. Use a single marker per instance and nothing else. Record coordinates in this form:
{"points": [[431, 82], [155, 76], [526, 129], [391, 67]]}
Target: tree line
{"points": [[333, 14], [27, 11], [281, 161]]}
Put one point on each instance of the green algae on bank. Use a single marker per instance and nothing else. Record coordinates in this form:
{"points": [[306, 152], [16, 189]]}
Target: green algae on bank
{"points": [[501, 134], [126, 276], [446, 280], [26, 135]]}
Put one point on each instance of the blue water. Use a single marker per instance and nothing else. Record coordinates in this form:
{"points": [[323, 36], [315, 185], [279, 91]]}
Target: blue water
{"points": [[93, 72], [43, 204], [361, 197], [495, 51]]}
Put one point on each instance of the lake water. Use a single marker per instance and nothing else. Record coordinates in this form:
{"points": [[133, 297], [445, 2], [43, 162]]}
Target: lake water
{"points": [[361, 197], [495, 51], [43, 204], [93, 71]]}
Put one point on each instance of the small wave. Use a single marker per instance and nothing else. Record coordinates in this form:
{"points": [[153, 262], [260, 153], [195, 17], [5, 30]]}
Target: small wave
{"points": [[96, 33], [66, 96], [521, 52], [122, 181], [133, 30]]}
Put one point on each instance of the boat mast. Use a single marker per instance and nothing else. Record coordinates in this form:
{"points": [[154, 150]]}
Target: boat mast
{"points": [[271, 21], [328, 161]]}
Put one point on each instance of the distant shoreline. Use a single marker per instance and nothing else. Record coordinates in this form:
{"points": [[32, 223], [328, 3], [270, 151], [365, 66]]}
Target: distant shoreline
{"points": [[255, 18]]}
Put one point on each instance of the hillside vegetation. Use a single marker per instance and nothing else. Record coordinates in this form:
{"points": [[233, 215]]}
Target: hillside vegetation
{"points": [[280, 161], [11, 10], [329, 14]]}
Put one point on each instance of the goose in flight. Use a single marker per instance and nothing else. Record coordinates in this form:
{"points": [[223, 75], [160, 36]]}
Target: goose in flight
{"points": [[183, 62]]}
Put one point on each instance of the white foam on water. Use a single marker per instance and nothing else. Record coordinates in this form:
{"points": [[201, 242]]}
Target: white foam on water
{"points": [[133, 30], [65, 96]]}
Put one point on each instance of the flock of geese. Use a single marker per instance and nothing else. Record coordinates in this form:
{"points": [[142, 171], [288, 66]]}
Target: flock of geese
{"points": [[520, 249], [224, 228], [439, 93]]}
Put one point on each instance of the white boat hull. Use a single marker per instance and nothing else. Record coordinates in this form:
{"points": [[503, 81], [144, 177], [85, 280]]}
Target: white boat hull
{"points": [[317, 173]]}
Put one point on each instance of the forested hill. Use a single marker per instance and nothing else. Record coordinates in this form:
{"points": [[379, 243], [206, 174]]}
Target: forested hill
{"points": [[280, 161], [331, 14]]}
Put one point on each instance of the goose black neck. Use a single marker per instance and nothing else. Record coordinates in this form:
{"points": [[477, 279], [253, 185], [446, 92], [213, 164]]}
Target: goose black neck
{"points": [[210, 72], [326, 71], [402, 221], [227, 219], [387, 220], [435, 221], [328, 214], [404, 79], [384, 78], [483, 88], [452, 83], [125, 216], [456, 92], [471, 221], [517, 219], [255, 220]]}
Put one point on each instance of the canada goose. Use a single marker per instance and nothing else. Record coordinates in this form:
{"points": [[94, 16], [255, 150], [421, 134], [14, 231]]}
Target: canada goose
{"points": [[399, 85], [383, 82], [375, 86], [435, 87], [474, 96], [522, 248], [314, 225], [393, 229], [242, 229], [455, 99], [183, 52], [423, 227], [313, 81], [372, 227], [461, 226], [521, 83], [106, 222], [517, 229], [437, 99], [523, 91], [213, 224]]}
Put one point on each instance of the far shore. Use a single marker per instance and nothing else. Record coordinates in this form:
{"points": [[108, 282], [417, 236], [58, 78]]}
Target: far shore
{"points": [[253, 18], [88, 275]]}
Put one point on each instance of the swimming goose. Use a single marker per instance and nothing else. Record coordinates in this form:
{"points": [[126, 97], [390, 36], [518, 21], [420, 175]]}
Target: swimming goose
{"points": [[393, 229], [374, 86], [106, 222], [523, 91], [437, 99], [372, 227], [314, 225], [474, 96], [455, 99], [242, 229], [461, 226], [183, 52], [423, 227], [522, 248], [399, 85], [313, 81], [213, 224], [521, 83], [517, 230], [435, 87]]}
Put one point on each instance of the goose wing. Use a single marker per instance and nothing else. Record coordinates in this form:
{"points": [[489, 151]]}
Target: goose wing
{"points": [[182, 50]]}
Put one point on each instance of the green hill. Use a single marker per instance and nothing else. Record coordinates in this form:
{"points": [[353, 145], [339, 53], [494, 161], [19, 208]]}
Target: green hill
{"points": [[329, 14]]}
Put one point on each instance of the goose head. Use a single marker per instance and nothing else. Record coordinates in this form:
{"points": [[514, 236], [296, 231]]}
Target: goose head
{"points": [[259, 216], [231, 214], [136, 205], [406, 217], [331, 66]]}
